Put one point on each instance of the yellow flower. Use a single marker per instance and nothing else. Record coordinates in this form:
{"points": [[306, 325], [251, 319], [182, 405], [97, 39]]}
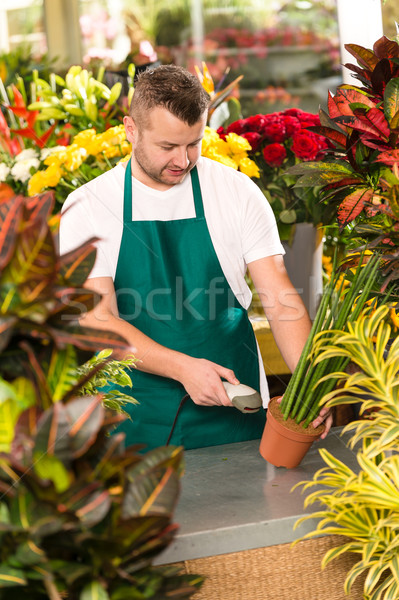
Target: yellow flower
{"points": [[237, 144], [231, 152], [205, 79], [394, 316], [85, 138], [112, 151], [229, 162], [41, 180], [249, 167], [74, 157], [126, 147]]}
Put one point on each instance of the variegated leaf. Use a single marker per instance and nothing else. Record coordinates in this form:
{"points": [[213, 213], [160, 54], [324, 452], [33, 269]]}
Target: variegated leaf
{"points": [[371, 122], [53, 429], [61, 374], [391, 101], [365, 57], [155, 492], [353, 205], [77, 264], [10, 577], [386, 48], [6, 329], [32, 266], [72, 303], [332, 134], [39, 208], [86, 417], [84, 338], [10, 218], [341, 103]]}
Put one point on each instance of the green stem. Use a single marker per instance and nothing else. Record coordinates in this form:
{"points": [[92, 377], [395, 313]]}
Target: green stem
{"points": [[339, 365], [51, 589], [290, 394]]}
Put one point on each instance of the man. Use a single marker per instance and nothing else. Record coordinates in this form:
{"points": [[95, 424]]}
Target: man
{"points": [[177, 232]]}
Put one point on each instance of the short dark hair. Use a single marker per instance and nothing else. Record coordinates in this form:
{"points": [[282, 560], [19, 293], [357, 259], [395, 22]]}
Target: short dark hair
{"points": [[170, 87]]}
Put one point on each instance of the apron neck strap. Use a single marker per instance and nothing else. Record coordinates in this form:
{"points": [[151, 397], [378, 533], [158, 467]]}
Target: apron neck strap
{"points": [[198, 204], [127, 194]]}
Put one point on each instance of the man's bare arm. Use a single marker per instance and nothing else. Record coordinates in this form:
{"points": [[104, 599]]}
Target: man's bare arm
{"points": [[200, 377], [284, 309], [287, 315]]}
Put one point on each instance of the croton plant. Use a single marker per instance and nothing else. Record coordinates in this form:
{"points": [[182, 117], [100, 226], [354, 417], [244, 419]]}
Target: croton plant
{"points": [[81, 517], [360, 175]]}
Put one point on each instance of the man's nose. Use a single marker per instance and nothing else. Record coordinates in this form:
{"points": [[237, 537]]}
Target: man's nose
{"points": [[181, 159]]}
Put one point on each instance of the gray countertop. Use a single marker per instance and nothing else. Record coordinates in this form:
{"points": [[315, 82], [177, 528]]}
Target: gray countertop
{"points": [[233, 500]]}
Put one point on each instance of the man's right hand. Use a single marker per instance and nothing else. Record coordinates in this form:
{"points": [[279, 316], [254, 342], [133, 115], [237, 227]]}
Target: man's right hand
{"points": [[202, 380]]}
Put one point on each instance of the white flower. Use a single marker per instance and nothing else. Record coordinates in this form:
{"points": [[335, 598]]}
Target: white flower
{"points": [[4, 171], [47, 151], [27, 154], [21, 169]]}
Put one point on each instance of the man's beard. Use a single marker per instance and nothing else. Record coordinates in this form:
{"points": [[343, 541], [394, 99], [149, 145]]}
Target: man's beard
{"points": [[154, 174]]}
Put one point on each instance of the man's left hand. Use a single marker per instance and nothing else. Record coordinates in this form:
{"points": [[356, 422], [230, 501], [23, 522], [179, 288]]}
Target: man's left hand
{"points": [[326, 417]]}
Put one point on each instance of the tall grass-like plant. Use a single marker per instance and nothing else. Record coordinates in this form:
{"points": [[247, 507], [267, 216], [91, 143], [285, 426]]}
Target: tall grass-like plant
{"points": [[363, 505], [338, 308]]}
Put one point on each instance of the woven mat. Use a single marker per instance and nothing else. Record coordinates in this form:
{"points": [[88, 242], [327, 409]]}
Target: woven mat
{"points": [[277, 572]]}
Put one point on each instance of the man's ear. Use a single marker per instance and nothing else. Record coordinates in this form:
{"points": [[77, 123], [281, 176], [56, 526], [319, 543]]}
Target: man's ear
{"points": [[130, 128]]}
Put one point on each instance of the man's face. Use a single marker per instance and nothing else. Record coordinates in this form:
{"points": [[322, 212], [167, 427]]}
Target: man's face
{"points": [[165, 148]]}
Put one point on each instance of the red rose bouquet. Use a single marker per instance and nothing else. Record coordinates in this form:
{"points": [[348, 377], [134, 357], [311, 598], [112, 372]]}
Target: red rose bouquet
{"points": [[280, 140]]}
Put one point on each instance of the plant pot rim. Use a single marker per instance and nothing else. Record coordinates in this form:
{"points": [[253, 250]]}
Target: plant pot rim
{"points": [[290, 428]]}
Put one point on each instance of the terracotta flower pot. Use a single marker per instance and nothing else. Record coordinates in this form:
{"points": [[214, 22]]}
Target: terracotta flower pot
{"points": [[285, 443]]}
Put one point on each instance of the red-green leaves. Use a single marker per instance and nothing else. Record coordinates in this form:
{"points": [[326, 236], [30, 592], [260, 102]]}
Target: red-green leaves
{"points": [[391, 103], [41, 295], [10, 217], [79, 508], [365, 57], [353, 205]]}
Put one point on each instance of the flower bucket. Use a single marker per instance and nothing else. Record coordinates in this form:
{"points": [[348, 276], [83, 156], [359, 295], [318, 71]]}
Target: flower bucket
{"points": [[283, 444]]}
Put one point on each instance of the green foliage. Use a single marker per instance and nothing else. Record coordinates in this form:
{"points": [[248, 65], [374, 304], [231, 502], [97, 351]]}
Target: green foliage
{"points": [[89, 517], [109, 379], [363, 505], [360, 175], [80, 516], [21, 62], [41, 300], [81, 99]]}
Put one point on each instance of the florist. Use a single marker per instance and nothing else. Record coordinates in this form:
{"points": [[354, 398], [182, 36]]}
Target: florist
{"points": [[177, 232]]}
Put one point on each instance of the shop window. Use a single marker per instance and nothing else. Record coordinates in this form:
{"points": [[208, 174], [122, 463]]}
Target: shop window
{"points": [[22, 24], [287, 51]]}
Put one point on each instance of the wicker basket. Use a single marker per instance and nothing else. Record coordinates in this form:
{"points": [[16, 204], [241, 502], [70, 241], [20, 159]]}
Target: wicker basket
{"points": [[280, 572]]}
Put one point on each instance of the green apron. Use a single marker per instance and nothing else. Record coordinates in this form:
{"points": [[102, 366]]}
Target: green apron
{"points": [[170, 285]]}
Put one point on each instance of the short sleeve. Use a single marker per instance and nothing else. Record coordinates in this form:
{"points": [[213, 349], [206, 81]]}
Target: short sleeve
{"points": [[260, 237], [76, 228]]}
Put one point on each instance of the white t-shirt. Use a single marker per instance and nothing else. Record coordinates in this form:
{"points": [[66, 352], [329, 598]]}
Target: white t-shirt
{"points": [[239, 218]]}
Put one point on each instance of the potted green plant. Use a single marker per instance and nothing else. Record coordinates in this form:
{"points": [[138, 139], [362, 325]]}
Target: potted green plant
{"points": [[359, 176], [81, 517], [362, 504], [301, 402]]}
